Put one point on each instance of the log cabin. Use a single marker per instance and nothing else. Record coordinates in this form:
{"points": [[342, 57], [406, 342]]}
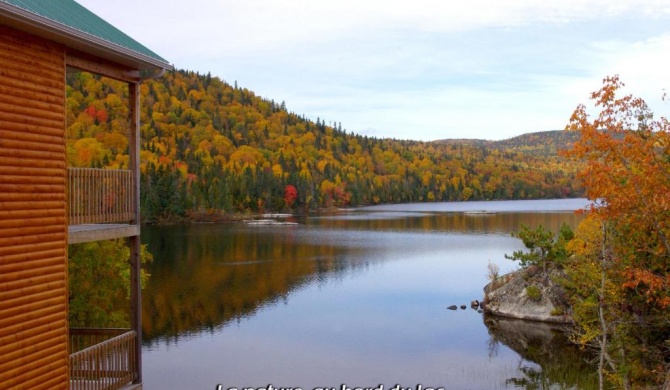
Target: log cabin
{"points": [[45, 205]]}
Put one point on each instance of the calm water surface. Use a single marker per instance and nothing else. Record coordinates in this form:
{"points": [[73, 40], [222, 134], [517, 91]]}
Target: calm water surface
{"points": [[358, 298]]}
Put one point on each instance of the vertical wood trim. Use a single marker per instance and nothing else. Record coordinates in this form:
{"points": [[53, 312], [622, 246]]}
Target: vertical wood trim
{"points": [[136, 302], [134, 242], [66, 275], [134, 147]]}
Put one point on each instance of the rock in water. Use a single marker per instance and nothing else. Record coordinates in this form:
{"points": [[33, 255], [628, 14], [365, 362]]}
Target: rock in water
{"points": [[509, 296]]}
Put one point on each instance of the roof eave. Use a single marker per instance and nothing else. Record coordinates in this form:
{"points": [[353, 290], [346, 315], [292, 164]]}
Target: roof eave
{"points": [[73, 38]]}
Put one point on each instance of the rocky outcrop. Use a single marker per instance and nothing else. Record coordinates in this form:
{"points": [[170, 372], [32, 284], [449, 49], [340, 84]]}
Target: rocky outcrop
{"points": [[527, 294]]}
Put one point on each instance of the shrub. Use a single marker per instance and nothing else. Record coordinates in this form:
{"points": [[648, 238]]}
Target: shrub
{"points": [[494, 271], [534, 292]]}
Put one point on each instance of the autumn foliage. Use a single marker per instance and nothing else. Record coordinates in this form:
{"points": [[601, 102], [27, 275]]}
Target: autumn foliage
{"points": [[290, 195], [621, 269], [209, 147], [628, 176]]}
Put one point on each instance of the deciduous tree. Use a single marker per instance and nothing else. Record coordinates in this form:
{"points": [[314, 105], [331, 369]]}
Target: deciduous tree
{"points": [[99, 283], [627, 176], [290, 195]]}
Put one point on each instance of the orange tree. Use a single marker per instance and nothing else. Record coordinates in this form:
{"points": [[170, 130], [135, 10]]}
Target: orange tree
{"points": [[626, 152]]}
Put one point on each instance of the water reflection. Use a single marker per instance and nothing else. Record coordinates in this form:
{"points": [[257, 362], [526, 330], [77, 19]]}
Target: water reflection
{"points": [[545, 359], [493, 223], [496, 206], [205, 275], [334, 299]]}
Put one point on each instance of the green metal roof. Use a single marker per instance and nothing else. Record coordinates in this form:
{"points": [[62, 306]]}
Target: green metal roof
{"points": [[72, 15]]}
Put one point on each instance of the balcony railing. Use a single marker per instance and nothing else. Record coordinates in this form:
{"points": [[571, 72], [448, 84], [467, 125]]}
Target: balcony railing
{"points": [[102, 359], [100, 195]]}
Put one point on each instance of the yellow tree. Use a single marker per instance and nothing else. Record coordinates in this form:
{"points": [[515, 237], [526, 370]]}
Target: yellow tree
{"points": [[594, 292]]}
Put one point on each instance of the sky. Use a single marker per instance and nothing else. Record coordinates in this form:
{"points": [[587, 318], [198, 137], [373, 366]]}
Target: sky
{"points": [[421, 69]]}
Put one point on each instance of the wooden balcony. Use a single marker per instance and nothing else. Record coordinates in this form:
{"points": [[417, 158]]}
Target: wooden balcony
{"points": [[102, 204], [103, 359]]}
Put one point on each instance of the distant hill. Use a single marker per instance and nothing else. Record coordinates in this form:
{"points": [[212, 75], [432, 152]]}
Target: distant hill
{"points": [[542, 143], [209, 148]]}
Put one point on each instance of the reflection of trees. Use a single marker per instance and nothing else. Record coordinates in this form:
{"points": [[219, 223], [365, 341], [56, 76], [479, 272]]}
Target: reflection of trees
{"points": [[204, 276], [496, 223], [548, 360], [533, 378]]}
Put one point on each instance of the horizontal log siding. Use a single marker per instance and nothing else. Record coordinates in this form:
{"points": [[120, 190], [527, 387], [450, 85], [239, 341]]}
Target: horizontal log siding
{"points": [[33, 221]]}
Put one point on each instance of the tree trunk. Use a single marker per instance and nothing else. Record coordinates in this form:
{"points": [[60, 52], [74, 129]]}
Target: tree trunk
{"points": [[601, 314]]}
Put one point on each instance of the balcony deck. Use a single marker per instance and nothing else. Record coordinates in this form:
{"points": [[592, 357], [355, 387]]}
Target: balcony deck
{"points": [[102, 205], [96, 232], [103, 359]]}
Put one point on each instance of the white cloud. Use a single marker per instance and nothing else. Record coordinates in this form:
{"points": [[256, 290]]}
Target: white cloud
{"points": [[425, 69], [643, 66]]}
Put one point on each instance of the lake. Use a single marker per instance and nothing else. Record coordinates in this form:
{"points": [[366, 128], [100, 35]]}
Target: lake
{"points": [[355, 299]]}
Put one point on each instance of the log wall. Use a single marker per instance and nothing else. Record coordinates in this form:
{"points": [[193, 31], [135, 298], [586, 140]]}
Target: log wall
{"points": [[33, 224]]}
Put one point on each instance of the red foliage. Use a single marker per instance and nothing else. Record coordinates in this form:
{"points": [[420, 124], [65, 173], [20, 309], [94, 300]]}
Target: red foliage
{"points": [[91, 111], [290, 195], [102, 116]]}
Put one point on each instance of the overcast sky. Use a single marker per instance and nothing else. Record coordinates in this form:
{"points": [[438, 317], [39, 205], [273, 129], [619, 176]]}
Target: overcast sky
{"points": [[421, 69]]}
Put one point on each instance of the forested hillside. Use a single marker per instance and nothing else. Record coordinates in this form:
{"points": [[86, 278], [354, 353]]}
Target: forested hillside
{"points": [[209, 148], [541, 143]]}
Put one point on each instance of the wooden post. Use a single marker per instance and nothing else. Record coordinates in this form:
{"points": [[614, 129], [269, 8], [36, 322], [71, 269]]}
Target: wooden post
{"points": [[134, 241], [134, 147], [136, 302]]}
